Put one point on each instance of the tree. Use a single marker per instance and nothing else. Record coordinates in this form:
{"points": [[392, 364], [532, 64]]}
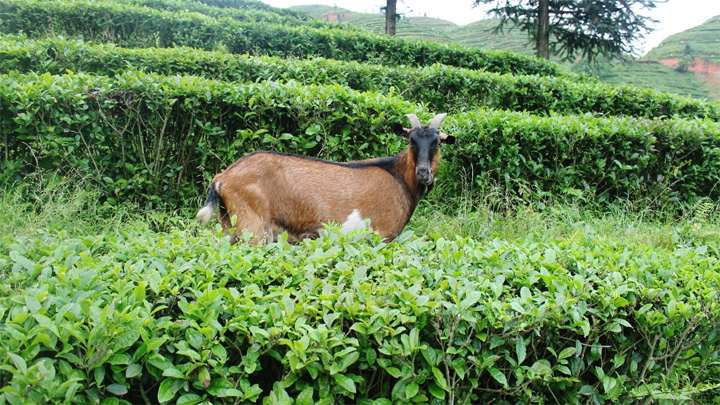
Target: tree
{"points": [[391, 17], [568, 28]]}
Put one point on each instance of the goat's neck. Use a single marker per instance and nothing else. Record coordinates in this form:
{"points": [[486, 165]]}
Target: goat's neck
{"points": [[405, 171]]}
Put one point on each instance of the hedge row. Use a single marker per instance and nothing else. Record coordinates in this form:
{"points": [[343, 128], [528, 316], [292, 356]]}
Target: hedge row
{"points": [[158, 139], [245, 14], [178, 318], [442, 88], [127, 25], [594, 159], [253, 5]]}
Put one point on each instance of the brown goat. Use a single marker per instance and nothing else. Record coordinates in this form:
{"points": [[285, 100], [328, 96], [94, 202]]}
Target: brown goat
{"points": [[272, 192]]}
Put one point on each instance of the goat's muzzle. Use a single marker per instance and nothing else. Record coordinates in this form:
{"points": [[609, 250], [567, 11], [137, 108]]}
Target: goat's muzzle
{"points": [[424, 175]]}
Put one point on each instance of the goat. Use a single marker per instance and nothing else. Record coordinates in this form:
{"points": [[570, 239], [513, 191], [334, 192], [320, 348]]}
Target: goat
{"points": [[272, 192]]}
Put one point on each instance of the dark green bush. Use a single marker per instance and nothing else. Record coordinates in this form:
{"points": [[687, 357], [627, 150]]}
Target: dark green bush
{"points": [[442, 88], [159, 139], [248, 13], [127, 25], [155, 138], [604, 159], [174, 317]]}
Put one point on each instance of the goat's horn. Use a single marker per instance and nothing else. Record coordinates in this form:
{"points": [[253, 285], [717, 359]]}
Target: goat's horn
{"points": [[437, 120], [414, 121]]}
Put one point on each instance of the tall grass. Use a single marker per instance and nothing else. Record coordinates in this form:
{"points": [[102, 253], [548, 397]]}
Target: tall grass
{"points": [[495, 215], [52, 202]]}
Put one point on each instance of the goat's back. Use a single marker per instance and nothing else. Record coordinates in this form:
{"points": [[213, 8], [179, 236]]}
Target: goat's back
{"points": [[298, 193]]}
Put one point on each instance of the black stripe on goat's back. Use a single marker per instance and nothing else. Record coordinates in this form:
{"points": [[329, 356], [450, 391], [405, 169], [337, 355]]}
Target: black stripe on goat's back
{"points": [[385, 163]]}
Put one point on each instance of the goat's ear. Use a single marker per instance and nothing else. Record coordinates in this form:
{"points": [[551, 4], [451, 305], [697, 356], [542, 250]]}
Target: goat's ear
{"points": [[447, 139], [400, 130]]}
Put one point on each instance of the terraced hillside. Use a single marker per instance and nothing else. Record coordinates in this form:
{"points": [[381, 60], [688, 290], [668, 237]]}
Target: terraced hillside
{"points": [[138, 103], [701, 42], [702, 82]]}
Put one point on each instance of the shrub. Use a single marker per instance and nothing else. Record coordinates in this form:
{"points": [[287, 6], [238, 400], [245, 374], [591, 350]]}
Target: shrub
{"points": [[127, 25], [158, 317], [145, 137], [158, 139], [647, 162], [442, 87]]}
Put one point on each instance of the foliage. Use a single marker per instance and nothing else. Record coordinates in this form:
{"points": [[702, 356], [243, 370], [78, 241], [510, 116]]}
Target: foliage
{"points": [[127, 25], [153, 138], [176, 316], [145, 137], [589, 29], [249, 14], [605, 160], [442, 87]]}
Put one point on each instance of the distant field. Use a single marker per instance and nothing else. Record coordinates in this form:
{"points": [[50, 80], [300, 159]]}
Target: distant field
{"points": [[653, 75]]}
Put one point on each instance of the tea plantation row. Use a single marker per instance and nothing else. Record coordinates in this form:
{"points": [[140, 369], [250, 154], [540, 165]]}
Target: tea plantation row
{"points": [[158, 139], [440, 87], [129, 25], [177, 317]]}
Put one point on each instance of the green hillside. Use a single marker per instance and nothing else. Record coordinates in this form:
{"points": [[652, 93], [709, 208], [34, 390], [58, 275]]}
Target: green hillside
{"points": [[409, 28], [701, 42], [652, 74], [480, 34]]}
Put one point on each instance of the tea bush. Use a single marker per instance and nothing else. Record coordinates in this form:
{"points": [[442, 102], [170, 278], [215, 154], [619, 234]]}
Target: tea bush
{"points": [[158, 139], [134, 26], [247, 12], [647, 162], [178, 317], [150, 138], [442, 88]]}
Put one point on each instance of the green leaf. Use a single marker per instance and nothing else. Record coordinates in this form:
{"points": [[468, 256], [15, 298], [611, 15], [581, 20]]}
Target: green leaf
{"points": [[117, 389], [440, 379], [133, 370], [305, 397], [173, 372], [189, 399], [498, 376], [394, 371], [19, 362], [436, 391], [345, 382], [165, 392], [567, 352], [520, 350], [411, 390]]}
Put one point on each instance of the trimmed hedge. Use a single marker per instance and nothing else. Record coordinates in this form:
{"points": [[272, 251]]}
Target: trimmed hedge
{"points": [[440, 87], [247, 13], [591, 158], [155, 138], [127, 25], [145, 137], [251, 4], [176, 317]]}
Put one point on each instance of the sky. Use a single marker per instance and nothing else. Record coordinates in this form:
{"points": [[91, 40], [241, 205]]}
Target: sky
{"points": [[673, 16]]}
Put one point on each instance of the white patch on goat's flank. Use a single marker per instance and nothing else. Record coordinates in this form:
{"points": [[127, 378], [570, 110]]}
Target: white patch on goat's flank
{"points": [[354, 221]]}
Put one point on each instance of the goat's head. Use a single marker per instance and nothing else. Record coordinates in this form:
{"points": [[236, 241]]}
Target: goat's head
{"points": [[424, 140]]}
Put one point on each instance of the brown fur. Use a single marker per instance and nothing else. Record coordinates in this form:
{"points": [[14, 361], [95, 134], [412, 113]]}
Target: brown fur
{"points": [[270, 193]]}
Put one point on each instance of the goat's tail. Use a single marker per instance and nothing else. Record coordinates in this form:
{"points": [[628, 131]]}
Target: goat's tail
{"points": [[207, 210]]}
